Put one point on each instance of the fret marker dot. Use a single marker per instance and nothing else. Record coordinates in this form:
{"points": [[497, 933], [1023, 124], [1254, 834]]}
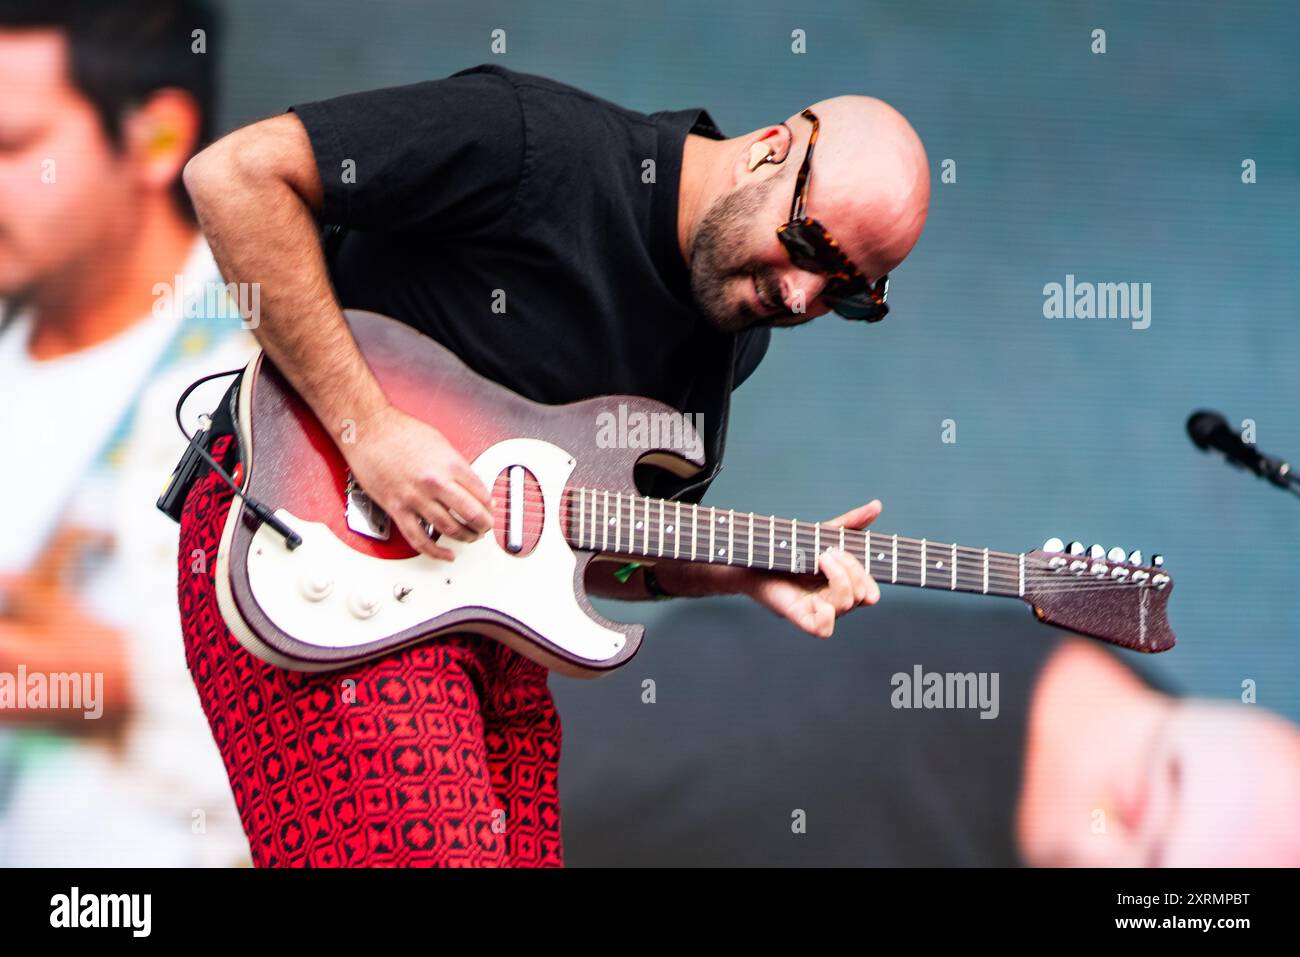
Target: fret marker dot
{"points": [[669, 529], [722, 520], [783, 543], [880, 556], [638, 524], [612, 521], [722, 551], [938, 564]]}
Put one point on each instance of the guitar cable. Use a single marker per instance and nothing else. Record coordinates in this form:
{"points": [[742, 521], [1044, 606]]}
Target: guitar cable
{"points": [[291, 538]]}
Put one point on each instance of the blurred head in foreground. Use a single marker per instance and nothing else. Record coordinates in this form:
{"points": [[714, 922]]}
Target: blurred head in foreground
{"points": [[102, 105], [1119, 774]]}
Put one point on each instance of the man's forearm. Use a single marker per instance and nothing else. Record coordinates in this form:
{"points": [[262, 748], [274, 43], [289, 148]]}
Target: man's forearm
{"points": [[255, 200]]}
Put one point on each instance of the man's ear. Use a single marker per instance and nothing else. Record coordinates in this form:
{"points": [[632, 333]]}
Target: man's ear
{"points": [[160, 136], [771, 145]]}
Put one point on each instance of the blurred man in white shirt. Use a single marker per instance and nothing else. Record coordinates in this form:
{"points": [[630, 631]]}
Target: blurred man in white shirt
{"points": [[102, 105]]}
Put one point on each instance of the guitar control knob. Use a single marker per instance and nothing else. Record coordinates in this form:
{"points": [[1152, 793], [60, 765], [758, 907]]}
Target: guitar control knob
{"points": [[1053, 545], [363, 604], [1119, 573], [1116, 554], [1078, 566], [1099, 570], [315, 585], [1140, 575], [1076, 548], [1160, 581], [1096, 553], [1135, 557], [1158, 561]]}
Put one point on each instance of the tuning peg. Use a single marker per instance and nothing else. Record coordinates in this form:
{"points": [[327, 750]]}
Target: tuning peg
{"points": [[1076, 548], [1157, 561], [1053, 545], [1135, 557], [1096, 553], [1116, 554]]}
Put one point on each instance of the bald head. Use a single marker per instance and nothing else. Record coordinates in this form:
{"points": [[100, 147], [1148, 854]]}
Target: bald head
{"points": [[869, 187], [870, 183]]}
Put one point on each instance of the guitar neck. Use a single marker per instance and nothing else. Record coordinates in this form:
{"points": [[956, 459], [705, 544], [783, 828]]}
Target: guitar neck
{"points": [[621, 523]]}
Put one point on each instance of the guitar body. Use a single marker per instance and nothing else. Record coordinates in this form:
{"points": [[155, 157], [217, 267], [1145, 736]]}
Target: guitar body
{"points": [[343, 596]]}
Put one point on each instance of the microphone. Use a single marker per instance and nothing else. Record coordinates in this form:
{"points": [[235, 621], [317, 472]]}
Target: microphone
{"points": [[1210, 430]]}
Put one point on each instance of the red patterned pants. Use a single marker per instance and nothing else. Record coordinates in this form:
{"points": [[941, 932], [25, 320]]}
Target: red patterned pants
{"points": [[445, 753]]}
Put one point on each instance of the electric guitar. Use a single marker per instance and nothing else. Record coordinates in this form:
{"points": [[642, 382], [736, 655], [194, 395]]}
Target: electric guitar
{"points": [[338, 584]]}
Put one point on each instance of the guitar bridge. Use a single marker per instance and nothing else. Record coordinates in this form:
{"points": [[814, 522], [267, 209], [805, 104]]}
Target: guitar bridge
{"points": [[363, 516]]}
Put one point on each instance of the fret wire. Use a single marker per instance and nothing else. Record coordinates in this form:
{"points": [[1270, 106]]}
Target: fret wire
{"points": [[750, 562], [677, 530], [604, 525], [794, 542], [954, 567], [661, 528], [731, 537], [713, 524], [923, 563], [771, 542], [618, 519], [894, 563], [695, 528], [986, 571]]}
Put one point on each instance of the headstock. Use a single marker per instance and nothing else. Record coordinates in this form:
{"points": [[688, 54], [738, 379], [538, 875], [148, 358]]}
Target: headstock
{"points": [[1109, 595]]}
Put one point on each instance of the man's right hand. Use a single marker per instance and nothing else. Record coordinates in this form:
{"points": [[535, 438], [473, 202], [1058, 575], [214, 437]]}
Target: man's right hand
{"points": [[413, 473]]}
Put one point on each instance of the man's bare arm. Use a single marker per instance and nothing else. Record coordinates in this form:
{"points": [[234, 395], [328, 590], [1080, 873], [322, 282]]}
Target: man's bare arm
{"points": [[256, 193]]}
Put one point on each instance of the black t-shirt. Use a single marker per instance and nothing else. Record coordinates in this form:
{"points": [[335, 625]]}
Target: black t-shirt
{"points": [[492, 189]]}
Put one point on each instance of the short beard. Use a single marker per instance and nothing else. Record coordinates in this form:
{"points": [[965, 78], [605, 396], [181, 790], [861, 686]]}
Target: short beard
{"points": [[713, 256]]}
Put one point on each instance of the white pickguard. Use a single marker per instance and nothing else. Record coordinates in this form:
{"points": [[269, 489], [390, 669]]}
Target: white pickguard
{"points": [[325, 594]]}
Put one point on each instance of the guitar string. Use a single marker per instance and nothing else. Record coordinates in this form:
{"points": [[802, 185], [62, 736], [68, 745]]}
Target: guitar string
{"points": [[909, 549], [909, 558], [636, 505]]}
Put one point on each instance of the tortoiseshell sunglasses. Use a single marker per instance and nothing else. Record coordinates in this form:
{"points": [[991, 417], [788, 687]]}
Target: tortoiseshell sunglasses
{"points": [[811, 248]]}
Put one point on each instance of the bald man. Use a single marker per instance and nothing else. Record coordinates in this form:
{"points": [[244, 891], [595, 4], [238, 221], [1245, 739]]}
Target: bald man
{"points": [[566, 248]]}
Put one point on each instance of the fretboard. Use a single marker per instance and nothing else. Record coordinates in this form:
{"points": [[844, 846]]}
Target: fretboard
{"points": [[625, 524]]}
